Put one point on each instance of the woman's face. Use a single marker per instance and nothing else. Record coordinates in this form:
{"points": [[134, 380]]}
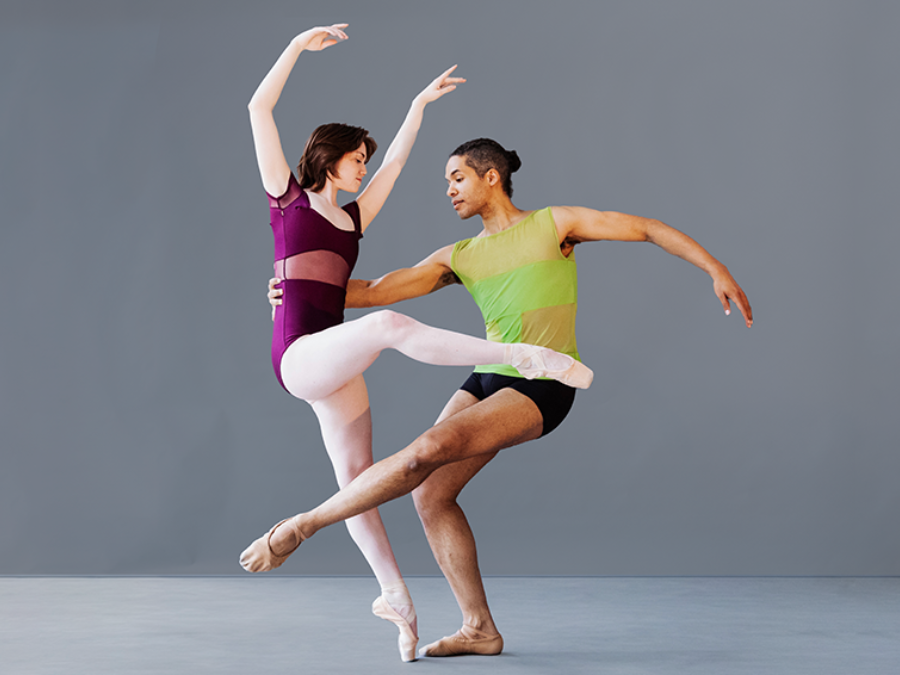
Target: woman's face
{"points": [[350, 170]]}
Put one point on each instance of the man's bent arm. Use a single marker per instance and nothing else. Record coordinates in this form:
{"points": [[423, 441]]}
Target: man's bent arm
{"points": [[428, 276], [577, 224], [412, 282]]}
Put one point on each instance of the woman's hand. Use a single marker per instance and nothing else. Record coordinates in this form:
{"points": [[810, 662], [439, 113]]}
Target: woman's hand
{"points": [[318, 38], [273, 167], [440, 86], [373, 197]]}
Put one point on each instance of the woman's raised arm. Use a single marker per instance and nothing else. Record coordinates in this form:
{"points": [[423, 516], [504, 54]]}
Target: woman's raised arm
{"points": [[376, 193], [273, 167]]}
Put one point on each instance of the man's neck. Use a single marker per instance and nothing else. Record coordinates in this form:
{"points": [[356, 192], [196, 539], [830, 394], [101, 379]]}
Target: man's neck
{"points": [[500, 215]]}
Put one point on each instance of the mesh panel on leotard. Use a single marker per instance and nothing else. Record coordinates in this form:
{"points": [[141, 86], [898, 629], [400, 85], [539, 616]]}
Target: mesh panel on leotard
{"points": [[325, 266], [291, 193]]}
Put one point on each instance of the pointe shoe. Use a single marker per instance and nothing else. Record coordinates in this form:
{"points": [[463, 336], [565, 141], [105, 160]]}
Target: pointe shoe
{"points": [[466, 640], [408, 640], [531, 357], [259, 556]]}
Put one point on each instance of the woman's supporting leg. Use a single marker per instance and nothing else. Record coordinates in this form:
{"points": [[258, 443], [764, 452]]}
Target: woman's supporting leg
{"points": [[346, 424], [319, 364]]}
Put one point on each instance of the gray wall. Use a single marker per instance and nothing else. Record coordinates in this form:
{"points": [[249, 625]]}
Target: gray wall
{"points": [[143, 431]]}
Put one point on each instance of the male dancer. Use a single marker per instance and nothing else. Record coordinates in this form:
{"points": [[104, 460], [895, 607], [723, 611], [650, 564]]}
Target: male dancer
{"points": [[521, 273]]}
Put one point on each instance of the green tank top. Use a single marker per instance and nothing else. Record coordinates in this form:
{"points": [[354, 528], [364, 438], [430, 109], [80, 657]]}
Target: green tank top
{"points": [[526, 288]]}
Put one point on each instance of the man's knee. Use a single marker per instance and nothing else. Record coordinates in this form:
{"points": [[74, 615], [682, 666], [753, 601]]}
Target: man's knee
{"points": [[433, 449], [433, 504], [431, 498]]}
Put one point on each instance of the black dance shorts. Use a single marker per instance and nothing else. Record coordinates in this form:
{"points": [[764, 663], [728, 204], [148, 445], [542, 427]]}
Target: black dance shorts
{"points": [[554, 399]]}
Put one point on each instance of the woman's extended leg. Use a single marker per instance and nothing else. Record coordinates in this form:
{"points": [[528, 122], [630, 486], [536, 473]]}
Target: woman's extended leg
{"points": [[319, 364], [346, 424]]}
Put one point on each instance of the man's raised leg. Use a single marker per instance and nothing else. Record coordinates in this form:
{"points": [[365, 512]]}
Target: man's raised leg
{"points": [[448, 529]]}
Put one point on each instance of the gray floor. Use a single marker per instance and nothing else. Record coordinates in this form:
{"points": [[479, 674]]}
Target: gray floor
{"points": [[551, 625]]}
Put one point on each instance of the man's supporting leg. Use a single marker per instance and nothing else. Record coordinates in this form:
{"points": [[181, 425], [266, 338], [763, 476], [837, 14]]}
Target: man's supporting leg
{"points": [[451, 537]]}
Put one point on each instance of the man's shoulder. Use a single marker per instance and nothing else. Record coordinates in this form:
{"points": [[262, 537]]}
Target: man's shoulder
{"points": [[442, 256], [567, 217]]}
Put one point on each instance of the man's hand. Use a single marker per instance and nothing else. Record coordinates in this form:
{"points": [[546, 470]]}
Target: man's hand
{"points": [[726, 288], [274, 294]]}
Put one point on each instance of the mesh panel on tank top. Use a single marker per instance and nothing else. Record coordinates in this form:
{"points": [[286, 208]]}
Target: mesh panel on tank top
{"points": [[526, 288]]}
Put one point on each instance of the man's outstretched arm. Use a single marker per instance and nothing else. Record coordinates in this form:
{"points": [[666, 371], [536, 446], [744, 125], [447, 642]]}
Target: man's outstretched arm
{"points": [[576, 224], [412, 282]]}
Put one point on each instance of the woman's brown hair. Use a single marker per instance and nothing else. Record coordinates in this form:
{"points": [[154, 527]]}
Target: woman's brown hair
{"points": [[324, 149]]}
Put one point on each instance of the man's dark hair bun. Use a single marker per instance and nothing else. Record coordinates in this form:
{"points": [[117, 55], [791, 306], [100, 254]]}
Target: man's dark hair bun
{"points": [[514, 162]]}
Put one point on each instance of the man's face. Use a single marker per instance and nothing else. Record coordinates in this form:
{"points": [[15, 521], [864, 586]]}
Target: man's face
{"points": [[468, 193]]}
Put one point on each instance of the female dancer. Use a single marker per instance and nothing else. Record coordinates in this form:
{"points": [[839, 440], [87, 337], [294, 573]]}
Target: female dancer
{"points": [[319, 358]]}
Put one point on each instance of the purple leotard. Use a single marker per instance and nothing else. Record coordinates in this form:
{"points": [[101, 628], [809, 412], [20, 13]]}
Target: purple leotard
{"points": [[315, 259]]}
